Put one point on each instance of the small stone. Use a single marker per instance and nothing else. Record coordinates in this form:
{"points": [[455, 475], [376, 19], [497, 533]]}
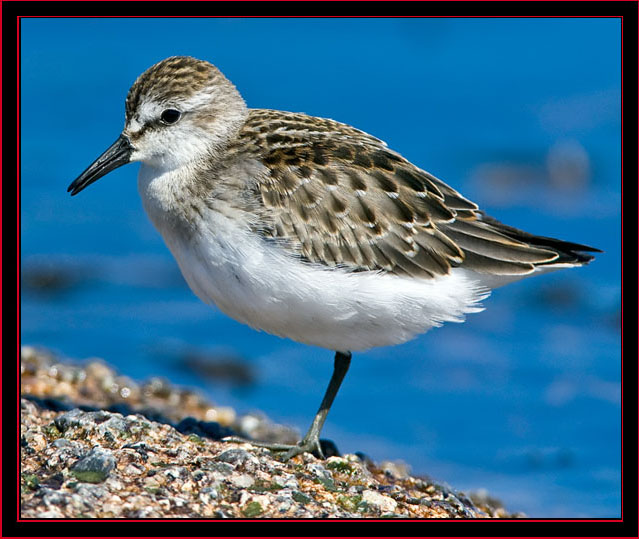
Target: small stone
{"points": [[253, 509], [220, 468], [132, 470], [208, 495], [69, 420], [286, 480], [238, 457], [264, 500], [91, 492], [178, 502], [241, 480], [324, 476], [36, 440], [300, 497], [116, 423], [284, 505], [62, 442], [31, 481], [176, 473], [187, 486], [381, 502], [95, 467], [244, 497], [52, 497]]}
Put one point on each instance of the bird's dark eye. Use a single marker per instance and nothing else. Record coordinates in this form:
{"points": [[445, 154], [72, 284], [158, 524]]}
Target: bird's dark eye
{"points": [[170, 116]]}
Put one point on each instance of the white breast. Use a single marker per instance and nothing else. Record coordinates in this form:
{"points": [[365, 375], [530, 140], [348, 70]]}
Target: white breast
{"points": [[256, 282]]}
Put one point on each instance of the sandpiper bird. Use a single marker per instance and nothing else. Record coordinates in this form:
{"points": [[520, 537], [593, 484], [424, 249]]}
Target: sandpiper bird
{"points": [[308, 228]]}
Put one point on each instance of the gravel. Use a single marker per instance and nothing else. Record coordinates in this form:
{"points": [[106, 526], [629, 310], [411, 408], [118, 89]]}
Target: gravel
{"points": [[95, 444]]}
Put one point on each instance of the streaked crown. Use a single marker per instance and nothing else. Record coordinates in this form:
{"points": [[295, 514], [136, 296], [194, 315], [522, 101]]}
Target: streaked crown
{"points": [[181, 109], [174, 78]]}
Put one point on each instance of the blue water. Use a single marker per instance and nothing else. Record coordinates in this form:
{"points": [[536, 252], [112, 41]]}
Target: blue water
{"points": [[522, 116]]}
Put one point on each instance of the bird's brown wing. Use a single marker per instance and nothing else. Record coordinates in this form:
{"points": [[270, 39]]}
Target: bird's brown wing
{"points": [[339, 197]]}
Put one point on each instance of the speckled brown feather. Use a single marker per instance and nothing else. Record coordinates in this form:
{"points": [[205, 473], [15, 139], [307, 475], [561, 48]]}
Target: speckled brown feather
{"points": [[339, 197]]}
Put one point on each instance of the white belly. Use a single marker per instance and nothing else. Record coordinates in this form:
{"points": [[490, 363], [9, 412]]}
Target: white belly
{"points": [[258, 283], [255, 283]]}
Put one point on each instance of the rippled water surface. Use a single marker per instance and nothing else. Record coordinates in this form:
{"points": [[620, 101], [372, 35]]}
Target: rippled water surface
{"points": [[522, 116]]}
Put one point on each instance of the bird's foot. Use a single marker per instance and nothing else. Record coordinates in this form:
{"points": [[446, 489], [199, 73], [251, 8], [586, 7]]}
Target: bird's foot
{"points": [[311, 445]]}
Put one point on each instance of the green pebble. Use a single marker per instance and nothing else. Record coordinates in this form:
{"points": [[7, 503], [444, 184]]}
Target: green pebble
{"points": [[342, 467], [253, 509], [300, 497], [31, 481], [89, 476]]}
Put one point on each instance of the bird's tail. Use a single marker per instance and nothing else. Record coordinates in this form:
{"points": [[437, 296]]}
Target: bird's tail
{"points": [[568, 253]]}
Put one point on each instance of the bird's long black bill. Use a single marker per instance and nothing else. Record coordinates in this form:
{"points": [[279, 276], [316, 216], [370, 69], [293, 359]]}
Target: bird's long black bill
{"points": [[118, 154]]}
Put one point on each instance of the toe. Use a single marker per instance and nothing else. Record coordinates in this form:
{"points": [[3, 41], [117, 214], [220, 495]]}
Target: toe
{"points": [[306, 446]]}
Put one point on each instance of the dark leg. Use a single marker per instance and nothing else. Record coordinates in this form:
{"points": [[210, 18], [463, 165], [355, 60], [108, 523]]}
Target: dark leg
{"points": [[311, 441]]}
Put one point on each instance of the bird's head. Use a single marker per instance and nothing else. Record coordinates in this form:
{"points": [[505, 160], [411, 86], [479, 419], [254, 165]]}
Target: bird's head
{"points": [[178, 111]]}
